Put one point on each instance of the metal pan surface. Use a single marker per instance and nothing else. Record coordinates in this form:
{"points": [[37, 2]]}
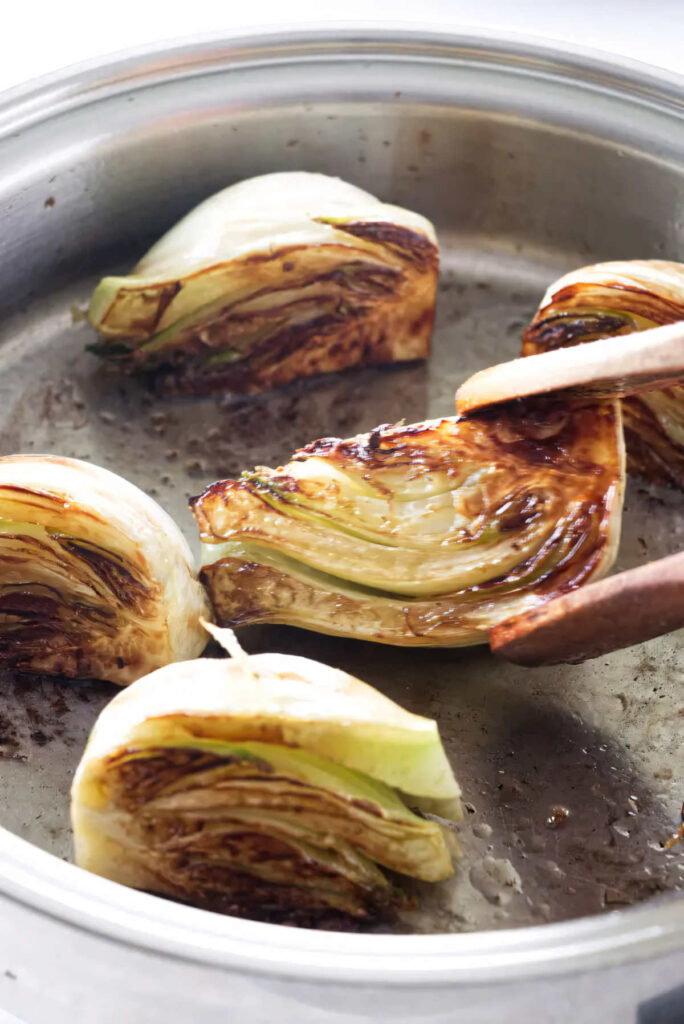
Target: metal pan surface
{"points": [[529, 163]]}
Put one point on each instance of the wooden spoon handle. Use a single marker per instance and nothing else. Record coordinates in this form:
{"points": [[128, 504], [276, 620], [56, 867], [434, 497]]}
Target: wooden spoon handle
{"points": [[617, 612], [607, 368]]}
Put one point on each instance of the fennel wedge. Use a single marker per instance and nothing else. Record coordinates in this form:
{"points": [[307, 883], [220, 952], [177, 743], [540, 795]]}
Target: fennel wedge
{"points": [[96, 580], [427, 534], [269, 786], [612, 299], [278, 277]]}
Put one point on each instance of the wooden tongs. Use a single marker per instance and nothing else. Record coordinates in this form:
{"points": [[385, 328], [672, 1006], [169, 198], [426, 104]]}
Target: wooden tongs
{"points": [[631, 606]]}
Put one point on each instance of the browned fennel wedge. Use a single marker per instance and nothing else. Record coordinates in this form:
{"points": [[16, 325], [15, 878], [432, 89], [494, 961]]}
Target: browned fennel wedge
{"points": [[425, 534], [96, 580], [612, 299], [270, 786], [278, 277]]}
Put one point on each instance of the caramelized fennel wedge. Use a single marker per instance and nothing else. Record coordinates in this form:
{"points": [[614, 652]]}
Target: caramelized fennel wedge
{"points": [[95, 579], [278, 277], [264, 785], [422, 534]]}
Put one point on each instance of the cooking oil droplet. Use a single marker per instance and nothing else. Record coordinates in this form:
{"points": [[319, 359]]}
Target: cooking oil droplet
{"points": [[558, 816]]}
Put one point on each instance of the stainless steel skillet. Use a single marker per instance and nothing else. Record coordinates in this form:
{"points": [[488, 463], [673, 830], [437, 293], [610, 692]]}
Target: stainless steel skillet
{"points": [[530, 162]]}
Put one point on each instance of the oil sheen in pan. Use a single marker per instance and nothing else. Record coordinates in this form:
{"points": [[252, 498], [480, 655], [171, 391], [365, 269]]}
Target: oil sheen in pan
{"points": [[569, 773]]}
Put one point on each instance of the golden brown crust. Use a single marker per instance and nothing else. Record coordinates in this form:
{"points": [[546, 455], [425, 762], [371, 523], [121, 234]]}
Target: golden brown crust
{"points": [[371, 305], [222, 862], [544, 463], [79, 632]]}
